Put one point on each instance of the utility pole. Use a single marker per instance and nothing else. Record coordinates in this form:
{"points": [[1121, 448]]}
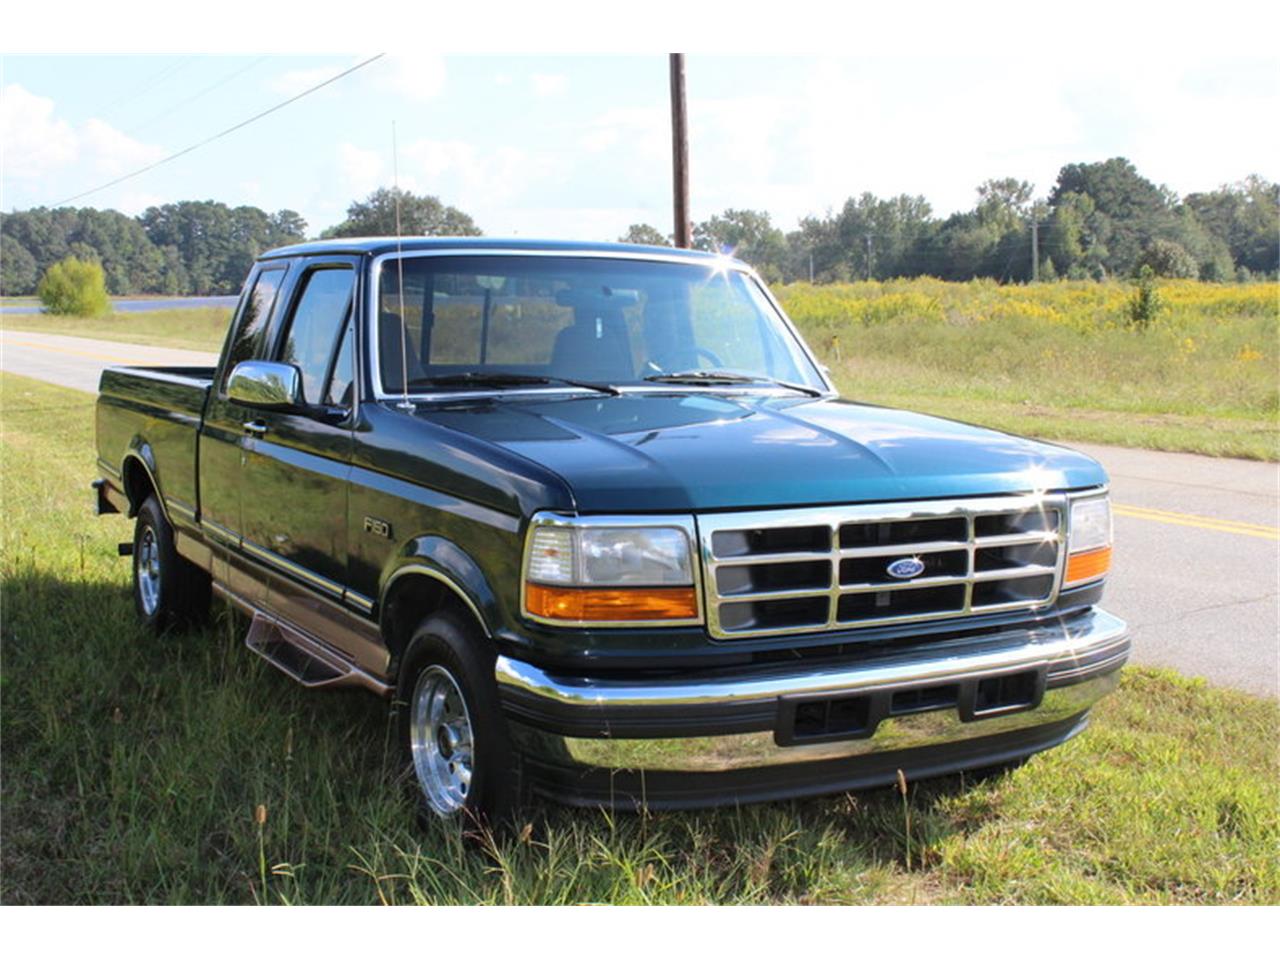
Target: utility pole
{"points": [[868, 256], [1035, 247], [680, 153]]}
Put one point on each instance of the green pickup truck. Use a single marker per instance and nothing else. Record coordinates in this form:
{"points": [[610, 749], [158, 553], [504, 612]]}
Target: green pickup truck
{"points": [[595, 520]]}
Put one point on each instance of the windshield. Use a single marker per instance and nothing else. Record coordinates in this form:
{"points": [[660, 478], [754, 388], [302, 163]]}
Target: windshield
{"points": [[611, 321]]}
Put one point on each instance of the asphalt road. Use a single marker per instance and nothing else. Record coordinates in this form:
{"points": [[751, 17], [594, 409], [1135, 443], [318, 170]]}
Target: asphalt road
{"points": [[127, 305], [1197, 538], [78, 362]]}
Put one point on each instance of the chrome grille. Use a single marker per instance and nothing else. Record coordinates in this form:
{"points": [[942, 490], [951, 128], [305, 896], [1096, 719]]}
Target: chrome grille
{"points": [[827, 568]]}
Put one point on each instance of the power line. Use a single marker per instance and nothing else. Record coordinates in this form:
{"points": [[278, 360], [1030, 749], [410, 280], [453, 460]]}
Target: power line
{"points": [[220, 135], [195, 96], [149, 83]]}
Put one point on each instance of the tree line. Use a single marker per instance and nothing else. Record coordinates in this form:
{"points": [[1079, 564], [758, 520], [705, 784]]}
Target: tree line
{"points": [[194, 247], [1099, 220]]}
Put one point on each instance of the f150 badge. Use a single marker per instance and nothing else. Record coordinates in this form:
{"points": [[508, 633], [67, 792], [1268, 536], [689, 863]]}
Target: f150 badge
{"points": [[906, 568], [379, 528]]}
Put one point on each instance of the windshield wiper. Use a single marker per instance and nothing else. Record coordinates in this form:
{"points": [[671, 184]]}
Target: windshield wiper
{"points": [[727, 376], [498, 378]]}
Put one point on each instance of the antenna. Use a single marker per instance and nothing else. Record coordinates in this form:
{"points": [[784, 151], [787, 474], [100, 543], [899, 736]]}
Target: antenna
{"points": [[404, 403]]}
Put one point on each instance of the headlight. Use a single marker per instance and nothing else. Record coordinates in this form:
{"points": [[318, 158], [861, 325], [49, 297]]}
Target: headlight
{"points": [[610, 570], [1088, 540]]}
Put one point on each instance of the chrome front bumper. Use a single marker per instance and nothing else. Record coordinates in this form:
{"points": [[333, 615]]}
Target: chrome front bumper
{"points": [[730, 737]]}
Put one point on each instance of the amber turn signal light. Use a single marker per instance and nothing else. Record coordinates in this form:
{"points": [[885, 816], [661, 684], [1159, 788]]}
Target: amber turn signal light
{"points": [[1089, 565], [585, 604]]}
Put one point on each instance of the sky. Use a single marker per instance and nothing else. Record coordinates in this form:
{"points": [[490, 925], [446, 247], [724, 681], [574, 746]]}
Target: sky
{"points": [[578, 146]]}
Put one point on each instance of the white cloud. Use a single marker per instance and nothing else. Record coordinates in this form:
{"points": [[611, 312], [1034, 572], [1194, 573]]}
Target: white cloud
{"points": [[572, 223], [361, 169], [34, 142], [113, 152], [644, 133], [416, 78], [38, 147], [463, 175], [134, 202], [293, 82], [549, 84], [419, 77]]}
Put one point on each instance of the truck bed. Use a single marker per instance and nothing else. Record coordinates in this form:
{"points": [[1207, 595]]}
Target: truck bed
{"points": [[155, 413]]}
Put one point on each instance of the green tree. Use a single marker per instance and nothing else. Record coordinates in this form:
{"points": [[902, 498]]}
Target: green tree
{"points": [[1145, 305], [815, 250], [1077, 236], [129, 259], [1246, 217], [18, 271], [1164, 258], [748, 235], [1210, 253], [1006, 201], [75, 287], [216, 244], [421, 216], [644, 233], [992, 240], [1132, 209], [44, 233], [287, 226], [175, 280]]}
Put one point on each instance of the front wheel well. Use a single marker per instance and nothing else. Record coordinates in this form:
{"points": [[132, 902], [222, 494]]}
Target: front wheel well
{"points": [[412, 598]]}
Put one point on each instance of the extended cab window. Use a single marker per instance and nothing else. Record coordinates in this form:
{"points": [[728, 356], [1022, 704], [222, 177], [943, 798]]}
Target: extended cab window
{"points": [[319, 317], [249, 342]]}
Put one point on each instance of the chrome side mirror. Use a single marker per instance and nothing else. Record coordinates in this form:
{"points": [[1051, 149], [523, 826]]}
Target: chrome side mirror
{"points": [[258, 383]]}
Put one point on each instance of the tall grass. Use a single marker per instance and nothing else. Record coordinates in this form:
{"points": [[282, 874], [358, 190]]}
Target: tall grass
{"points": [[185, 770], [1060, 359]]}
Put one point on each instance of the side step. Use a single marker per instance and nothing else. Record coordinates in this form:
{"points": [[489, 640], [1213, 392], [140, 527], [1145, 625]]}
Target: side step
{"points": [[297, 655]]}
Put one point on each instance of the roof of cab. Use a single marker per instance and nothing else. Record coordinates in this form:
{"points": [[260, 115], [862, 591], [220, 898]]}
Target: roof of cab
{"points": [[375, 246]]}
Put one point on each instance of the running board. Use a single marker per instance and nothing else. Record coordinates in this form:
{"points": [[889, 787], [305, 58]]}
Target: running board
{"points": [[299, 656]]}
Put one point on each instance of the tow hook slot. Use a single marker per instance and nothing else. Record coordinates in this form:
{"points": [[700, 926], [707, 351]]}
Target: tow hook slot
{"points": [[993, 696], [819, 719], [125, 549]]}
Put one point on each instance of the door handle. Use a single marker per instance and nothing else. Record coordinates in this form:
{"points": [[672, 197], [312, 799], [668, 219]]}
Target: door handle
{"points": [[255, 427]]}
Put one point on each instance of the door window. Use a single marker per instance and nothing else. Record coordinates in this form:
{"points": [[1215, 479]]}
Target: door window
{"points": [[250, 337], [344, 371], [319, 316]]}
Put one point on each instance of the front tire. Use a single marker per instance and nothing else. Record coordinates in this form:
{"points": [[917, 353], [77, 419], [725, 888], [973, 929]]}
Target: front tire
{"points": [[452, 732], [168, 590]]}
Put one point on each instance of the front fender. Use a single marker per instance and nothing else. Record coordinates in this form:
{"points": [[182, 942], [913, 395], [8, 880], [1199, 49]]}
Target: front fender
{"points": [[442, 560]]}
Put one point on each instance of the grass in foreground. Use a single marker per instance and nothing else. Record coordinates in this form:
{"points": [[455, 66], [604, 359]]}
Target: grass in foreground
{"points": [[193, 328], [1059, 360], [133, 768]]}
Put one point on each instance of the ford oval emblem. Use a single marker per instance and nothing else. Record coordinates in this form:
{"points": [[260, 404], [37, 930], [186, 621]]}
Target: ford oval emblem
{"points": [[906, 568]]}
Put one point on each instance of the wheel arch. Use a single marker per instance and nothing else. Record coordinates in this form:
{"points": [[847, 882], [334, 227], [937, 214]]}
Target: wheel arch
{"points": [[419, 587], [137, 474]]}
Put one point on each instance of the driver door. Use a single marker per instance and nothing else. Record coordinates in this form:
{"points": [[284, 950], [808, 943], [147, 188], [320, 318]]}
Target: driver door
{"points": [[298, 461]]}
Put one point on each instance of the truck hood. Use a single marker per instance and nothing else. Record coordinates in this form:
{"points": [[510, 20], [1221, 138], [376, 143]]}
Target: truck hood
{"points": [[695, 451]]}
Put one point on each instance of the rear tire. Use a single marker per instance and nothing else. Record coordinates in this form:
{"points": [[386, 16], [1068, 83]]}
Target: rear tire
{"points": [[168, 591], [452, 733]]}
